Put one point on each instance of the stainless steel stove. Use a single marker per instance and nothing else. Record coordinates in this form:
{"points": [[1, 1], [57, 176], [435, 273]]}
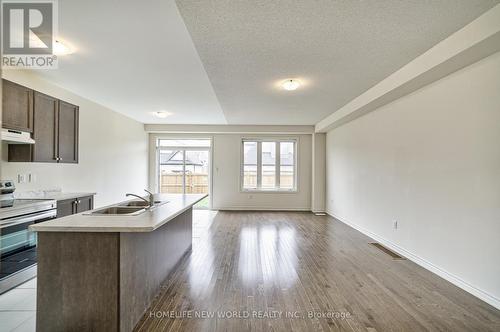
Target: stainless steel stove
{"points": [[17, 242]]}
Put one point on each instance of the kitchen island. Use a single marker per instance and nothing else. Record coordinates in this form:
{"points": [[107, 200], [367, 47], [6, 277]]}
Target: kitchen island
{"points": [[100, 272]]}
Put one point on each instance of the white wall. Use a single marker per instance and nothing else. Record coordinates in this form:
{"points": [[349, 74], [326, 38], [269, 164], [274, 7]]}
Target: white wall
{"points": [[226, 190], [431, 161], [318, 173], [226, 193], [113, 156]]}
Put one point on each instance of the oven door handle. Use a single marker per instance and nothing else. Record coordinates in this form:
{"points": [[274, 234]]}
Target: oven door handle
{"points": [[28, 218]]}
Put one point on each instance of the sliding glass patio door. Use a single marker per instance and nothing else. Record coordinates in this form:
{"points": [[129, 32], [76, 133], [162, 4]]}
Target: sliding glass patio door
{"points": [[184, 167]]}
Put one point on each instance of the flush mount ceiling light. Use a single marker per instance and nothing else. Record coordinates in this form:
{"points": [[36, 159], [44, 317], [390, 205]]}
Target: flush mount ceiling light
{"points": [[290, 85], [162, 114], [61, 49]]}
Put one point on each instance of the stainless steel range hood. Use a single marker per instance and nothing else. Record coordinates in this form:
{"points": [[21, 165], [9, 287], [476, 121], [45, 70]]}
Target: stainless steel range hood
{"points": [[16, 137]]}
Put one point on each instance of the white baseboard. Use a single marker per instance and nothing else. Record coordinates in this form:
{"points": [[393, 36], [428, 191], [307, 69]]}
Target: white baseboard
{"points": [[257, 208], [457, 281]]}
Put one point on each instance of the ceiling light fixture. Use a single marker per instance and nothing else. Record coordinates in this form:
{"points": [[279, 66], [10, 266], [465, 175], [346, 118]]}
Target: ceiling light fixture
{"points": [[162, 114], [61, 49], [290, 85]]}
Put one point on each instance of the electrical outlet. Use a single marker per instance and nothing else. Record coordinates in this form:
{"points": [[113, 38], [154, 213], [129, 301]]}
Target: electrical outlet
{"points": [[395, 224], [21, 178]]}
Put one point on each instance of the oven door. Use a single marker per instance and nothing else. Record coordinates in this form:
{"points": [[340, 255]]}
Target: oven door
{"points": [[18, 243]]}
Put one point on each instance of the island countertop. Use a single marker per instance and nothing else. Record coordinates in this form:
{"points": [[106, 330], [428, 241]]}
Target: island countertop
{"points": [[147, 221]]}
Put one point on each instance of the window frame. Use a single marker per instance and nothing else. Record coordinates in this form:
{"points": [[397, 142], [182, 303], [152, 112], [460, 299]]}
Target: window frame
{"points": [[276, 189]]}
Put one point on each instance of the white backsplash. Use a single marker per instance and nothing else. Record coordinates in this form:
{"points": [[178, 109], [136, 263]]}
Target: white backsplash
{"points": [[39, 193]]}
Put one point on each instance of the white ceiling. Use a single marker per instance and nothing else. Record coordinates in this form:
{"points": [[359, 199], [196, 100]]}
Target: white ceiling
{"points": [[137, 57], [338, 48]]}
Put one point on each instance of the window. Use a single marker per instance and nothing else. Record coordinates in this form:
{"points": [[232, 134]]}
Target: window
{"points": [[268, 165], [250, 165]]}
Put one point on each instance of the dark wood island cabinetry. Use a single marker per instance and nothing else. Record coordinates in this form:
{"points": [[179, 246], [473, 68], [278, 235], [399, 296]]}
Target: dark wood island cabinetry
{"points": [[101, 273]]}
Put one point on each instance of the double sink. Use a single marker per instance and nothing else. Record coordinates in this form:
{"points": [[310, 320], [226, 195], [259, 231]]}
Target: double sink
{"points": [[130, 208]]}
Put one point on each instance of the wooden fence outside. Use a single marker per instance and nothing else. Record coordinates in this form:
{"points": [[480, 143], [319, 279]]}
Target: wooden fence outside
{"points": [[286, 180], [197, 183]]}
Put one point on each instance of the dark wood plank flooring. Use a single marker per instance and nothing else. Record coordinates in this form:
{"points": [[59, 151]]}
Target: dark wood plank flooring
{"points": [[260, 264]]}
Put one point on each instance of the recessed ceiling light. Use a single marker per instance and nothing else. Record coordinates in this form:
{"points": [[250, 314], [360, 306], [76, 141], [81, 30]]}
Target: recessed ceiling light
{"points": [[290, 85], [162, 114], [61, 49]]}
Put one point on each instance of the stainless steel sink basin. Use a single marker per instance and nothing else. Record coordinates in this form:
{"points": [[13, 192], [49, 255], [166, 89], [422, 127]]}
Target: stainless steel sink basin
{"points": [[119, 210], [136, 203], [130, 208], [142, 203]]}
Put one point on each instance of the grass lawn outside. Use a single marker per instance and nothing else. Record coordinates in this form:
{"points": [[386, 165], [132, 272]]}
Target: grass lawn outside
{"points": [[203, 204]]}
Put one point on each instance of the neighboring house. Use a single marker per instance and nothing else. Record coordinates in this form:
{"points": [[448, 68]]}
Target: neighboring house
{"points": [[194, 163], [268, 158]]}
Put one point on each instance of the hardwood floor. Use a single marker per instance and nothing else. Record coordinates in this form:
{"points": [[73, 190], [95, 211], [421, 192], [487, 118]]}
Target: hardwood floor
{"points": [[292, 264]]}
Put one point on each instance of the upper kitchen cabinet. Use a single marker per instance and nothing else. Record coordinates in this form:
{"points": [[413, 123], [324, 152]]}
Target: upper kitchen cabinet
{"points": [[55, 131], [17, 105], [67, 142], [45, 131]]}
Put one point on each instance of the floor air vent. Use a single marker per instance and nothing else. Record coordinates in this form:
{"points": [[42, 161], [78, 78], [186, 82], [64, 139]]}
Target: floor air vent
{"points": [[387, 251]]}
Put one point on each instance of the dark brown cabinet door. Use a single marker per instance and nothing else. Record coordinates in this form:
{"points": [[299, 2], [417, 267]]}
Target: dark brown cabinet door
{"points": [[67, 133], [17, 105], [66, 208], [45, 128], [85, 204]]}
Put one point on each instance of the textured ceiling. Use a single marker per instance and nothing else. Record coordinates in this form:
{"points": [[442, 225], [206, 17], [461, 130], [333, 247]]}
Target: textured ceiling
{"points": [[338, 49], [219, 61]]}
